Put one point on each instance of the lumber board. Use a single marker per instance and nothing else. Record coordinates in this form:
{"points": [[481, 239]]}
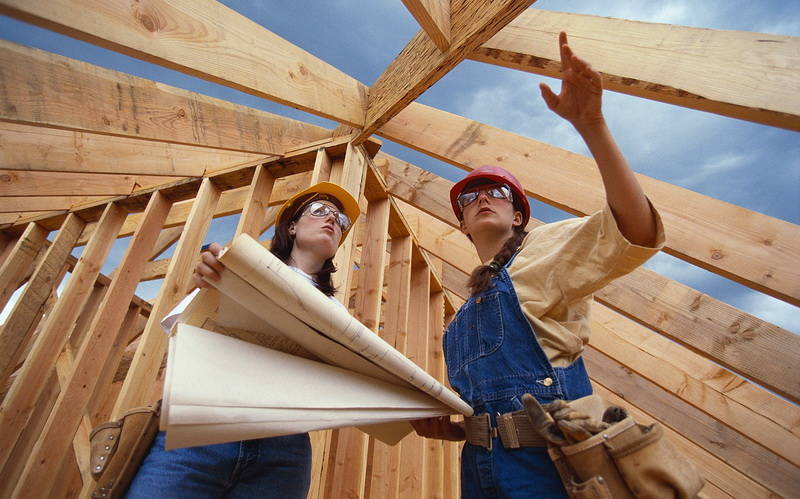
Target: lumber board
{"points": [[716, 471], [150, 351], [412, 450], [46, 183], [166, 238], [256, 203], [421, 64], [25, 314], [350, 478], [19, 263], [27, 147], [39, 204], [48, 454], [433, 17], [659, 368], [757, 462], [206, 39], [383, 481], [739, 341], [349, 174], [434, 448], [740, 74], [52, 87], [753, 249]]}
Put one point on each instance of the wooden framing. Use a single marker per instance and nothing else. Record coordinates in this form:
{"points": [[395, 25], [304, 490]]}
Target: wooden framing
{"points": [[672, 53], [421, 63], [158, 163]]}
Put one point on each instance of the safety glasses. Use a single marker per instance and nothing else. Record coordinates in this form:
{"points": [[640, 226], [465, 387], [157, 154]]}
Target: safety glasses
{"points": [[321, 210], [497, 191]]}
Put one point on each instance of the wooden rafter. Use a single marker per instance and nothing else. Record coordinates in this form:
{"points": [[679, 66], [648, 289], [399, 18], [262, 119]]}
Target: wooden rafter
{"points": [[674, 64], [28, 147], [53, 87], [433, 17], [207, 39], [750, 248], [421, 63]]}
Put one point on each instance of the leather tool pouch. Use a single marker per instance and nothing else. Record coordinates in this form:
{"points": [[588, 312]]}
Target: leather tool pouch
{"points": [[627, 460], [118, 447]]}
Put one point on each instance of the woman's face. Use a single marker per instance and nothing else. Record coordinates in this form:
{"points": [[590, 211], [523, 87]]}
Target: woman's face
{"points": [[487, 213], [321, 234]]}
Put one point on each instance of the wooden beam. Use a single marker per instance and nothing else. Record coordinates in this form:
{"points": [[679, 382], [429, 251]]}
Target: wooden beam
{"points": [[19, 325], [208, 40], [674, 64], [45, 183], [27, 204], [104, 332], [659, 366], [433, 17], [51, 87], [18, 264], [150, 351], [421, 63], [27, 147], [255, 205], [750, 248], [434, 448]]}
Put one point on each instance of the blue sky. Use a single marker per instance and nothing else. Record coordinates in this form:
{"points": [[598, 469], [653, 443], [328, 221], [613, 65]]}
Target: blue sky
{"points": [[750, 165]]}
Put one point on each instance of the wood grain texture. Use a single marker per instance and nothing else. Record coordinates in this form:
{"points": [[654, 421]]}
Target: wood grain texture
{"points": [[48, 454], [744, 75], [18, 327], [27, 147], [90, 185], [421, 64], [756, 250], [433, 17], [52, 87], [206, 39], [19, 263]]}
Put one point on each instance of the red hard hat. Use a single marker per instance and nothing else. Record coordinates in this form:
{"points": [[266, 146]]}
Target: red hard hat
{"points": [[499, 175]]}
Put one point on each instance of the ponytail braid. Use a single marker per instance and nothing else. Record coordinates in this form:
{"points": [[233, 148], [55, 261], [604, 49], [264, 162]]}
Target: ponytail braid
{"points": [[481, 277]]}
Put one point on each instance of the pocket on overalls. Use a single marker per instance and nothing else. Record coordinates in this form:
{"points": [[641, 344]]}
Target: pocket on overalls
{"points": [[476, 331]]}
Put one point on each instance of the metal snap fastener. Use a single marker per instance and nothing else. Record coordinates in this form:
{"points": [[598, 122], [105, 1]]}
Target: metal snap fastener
{"points": [[108, 447], [102, 458], [547, 381], [97, 467], [111, 437]]}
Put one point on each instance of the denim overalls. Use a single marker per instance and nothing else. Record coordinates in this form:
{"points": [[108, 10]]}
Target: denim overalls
{"points": [[493, 358]]}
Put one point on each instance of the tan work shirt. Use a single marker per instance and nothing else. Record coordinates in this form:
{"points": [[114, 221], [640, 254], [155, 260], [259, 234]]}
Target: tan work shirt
{"points": [[560, 265]]}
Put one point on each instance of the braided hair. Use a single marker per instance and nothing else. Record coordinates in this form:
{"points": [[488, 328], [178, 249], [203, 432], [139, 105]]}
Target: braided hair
{"points": [[481, 277]]}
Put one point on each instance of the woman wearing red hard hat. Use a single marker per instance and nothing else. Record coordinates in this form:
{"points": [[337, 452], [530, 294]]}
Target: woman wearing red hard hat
{"points": [[526, 322]]}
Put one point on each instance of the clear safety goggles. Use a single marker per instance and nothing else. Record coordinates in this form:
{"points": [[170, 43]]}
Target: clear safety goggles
{"points": [[320, 210], [497, 191]]}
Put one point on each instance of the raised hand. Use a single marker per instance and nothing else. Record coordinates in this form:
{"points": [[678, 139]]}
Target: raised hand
{"points": [[581, 88]]}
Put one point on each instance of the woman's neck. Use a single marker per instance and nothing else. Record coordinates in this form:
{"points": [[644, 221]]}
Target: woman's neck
{"points": [[489, 243], [307, 261]]}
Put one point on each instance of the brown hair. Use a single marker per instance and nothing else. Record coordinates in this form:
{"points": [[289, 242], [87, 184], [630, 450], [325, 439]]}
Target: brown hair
{"points": [[282, 244], [481, 277]]}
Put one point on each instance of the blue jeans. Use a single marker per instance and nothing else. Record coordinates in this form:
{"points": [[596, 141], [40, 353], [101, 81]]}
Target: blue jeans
{"points": [[277, 467]]}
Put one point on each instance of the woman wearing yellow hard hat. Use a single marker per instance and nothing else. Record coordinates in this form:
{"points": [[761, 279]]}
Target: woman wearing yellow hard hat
{"points": [[310, 227]]}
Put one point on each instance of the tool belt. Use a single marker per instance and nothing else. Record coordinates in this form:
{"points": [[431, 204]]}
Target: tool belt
{"points": [[514, 429], [118, 448], [610, 455]]}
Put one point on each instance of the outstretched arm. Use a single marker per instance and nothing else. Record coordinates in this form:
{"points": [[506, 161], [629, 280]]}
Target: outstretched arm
{"points": [[580, 103]]}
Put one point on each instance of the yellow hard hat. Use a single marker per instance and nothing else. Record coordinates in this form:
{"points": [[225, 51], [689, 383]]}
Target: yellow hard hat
{"points": [[321, 190]]}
